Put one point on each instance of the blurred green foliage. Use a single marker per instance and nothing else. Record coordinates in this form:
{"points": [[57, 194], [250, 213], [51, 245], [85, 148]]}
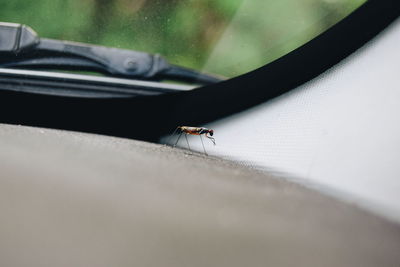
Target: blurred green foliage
{"points": [[229, 37]]}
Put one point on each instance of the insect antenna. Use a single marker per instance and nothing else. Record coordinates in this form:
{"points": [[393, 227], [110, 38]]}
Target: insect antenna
{"points": [[212, 139]]}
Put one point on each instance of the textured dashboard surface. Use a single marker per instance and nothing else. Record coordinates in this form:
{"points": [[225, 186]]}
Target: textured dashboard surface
{"points": [[72, 199]]}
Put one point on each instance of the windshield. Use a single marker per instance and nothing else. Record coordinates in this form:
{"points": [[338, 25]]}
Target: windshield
{"points": [[225, 37]]}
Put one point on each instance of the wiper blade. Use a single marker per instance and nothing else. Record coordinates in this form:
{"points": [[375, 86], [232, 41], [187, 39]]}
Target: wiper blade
{"points": [[82, 86], [21, 47]]}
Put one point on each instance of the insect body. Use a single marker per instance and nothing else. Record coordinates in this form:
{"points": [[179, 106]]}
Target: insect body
{"points": [[195, 131]]}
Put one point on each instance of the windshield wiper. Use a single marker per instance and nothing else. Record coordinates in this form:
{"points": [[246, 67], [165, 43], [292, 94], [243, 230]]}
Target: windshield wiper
{"points": [[20, 47]]}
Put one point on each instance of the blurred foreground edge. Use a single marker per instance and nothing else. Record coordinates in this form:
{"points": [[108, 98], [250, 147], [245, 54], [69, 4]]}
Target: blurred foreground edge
{"points": [[73, 199]]}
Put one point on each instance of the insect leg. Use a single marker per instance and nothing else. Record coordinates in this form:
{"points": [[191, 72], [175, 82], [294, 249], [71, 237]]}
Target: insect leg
{"points": [[177, 140], [170, 137], [203, 145], [187, 142]]}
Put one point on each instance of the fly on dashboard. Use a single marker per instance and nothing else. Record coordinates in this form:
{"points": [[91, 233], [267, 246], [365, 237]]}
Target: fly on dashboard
{"points": [[208, 133]]}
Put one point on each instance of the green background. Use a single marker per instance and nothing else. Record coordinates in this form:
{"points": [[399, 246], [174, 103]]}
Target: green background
{"points": [[228, 37]]}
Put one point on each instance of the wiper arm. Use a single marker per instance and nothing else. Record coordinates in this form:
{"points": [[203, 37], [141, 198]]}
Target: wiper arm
{"points": [[21, 47]]}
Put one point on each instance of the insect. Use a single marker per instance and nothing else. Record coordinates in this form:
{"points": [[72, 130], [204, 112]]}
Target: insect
{"points": [[194, 131]]}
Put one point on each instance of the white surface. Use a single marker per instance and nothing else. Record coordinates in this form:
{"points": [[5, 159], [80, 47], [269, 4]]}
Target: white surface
{"points": [[339, 133]]}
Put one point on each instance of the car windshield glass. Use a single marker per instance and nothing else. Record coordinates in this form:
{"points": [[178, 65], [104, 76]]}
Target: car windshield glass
{"points": [[225, 37]]}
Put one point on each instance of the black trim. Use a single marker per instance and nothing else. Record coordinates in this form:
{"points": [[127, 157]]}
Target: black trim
{"points": [[149, 117]]}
